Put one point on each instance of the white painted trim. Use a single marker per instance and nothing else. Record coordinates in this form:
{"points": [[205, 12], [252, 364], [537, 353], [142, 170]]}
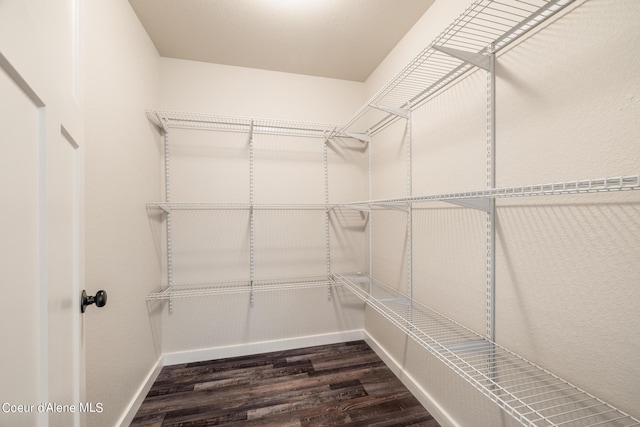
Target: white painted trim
{"points": [[261, 347], [138, 398], [442, 416]]}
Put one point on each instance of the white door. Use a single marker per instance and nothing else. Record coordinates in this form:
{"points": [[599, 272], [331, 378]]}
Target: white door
{"points": [[63, 290], [40, 324]]}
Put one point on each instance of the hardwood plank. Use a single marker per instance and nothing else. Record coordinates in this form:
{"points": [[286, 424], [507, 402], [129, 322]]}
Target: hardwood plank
{"points": [[328, 385]]}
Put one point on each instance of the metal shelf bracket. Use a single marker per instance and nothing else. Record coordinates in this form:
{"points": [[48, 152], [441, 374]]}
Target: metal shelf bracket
{"points": [[364, 137], [166, 208], [396, 207], [482, 204], [400, 112], [478, 59], [360, 207]]}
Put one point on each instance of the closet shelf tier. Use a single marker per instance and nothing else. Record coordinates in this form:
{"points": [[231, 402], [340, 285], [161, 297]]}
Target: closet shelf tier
{"points": [[485, 25], [595, 185], [239, 287], [185, 120], [168, 207], [529, 393]]}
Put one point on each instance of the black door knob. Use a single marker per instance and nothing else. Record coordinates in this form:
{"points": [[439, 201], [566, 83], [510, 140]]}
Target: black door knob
{"points": [[100, 300]]}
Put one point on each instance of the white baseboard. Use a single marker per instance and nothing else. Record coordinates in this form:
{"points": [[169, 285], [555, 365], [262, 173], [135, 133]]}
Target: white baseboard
{"points": [[261, 347], [443, 418], [134, 405]]}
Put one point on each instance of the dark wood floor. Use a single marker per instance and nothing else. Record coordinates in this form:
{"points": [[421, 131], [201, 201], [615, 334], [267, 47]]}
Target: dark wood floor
{"points": [[330, 385]]}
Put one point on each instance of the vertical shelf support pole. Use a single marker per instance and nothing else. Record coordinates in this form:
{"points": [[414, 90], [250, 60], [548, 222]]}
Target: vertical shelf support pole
{"points": [[327, 236], [370, 197], [169, 224], [409, 153], [251, 218], [491, 183], [409, 206]]}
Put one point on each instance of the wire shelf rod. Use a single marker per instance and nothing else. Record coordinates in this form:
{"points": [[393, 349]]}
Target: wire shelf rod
{"points": [[559, 393], [447, 338], [538, 377], [573, 420], [573, 403], [551, 399], [505, 372], [496, 356], [522, 373], [546, 386], [601, 423], [522, 376], [445, 335]]}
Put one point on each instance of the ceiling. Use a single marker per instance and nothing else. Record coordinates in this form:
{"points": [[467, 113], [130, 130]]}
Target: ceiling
{"points": [[342, 39]]}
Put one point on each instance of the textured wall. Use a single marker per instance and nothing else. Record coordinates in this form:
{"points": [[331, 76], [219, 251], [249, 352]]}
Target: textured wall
{"points": [[567, 293]]}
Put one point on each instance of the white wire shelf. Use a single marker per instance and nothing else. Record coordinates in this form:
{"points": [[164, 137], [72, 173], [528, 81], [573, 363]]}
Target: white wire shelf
{"points": [[527, 392], [185, 120], [176, 206], [194, 290], [484, 23], [597, 185]]}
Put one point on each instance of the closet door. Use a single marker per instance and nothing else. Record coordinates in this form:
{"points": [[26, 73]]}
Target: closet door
{"points": [[40, 252], [40, 229], [21, 254]]}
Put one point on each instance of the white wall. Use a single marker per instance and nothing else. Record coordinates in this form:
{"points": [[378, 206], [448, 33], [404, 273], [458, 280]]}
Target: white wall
{"points": [[237, 91], [213, 246], [123, 170], [566, 279]]}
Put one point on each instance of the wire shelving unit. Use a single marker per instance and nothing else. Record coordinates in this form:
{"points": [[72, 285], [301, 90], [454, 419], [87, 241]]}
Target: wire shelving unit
{"points": [[176, 206], [585, 186], [168, 120], [196, 290], [530, 394], [482, 30], [188, 120]]}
